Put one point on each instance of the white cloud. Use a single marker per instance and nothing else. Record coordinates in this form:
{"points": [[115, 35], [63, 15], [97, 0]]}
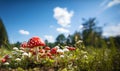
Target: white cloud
{"points": [[62, 30], [113, 2], [104, 2], [63, 16], [80, 27], [50, 38], [107, 4], [111, 30], [23, 32]]}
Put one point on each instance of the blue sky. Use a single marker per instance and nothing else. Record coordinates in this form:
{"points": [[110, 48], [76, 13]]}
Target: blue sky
{"points": [[48, 18]]}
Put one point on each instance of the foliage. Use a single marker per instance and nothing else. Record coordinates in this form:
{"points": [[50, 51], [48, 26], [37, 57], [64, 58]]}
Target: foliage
{"points": [[81, 59], [3, 36]]}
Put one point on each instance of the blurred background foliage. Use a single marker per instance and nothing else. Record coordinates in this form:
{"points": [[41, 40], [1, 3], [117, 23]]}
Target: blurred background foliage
{"points": [[91, 36]]}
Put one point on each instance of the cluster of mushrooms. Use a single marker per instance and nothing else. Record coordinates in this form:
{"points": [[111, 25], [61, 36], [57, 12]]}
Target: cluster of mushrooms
{"points": [[37, 47]]}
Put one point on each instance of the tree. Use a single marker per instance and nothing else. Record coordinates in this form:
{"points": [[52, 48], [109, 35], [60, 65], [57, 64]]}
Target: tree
{"points": [[117, 41], [60, 39], [69, 40], [49, 43], [3, 35], [76, 37], [91, 33]]}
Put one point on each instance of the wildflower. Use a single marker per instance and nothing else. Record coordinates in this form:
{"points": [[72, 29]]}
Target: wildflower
{"points": [[22, 48], [62, 56], [25, 54], [15, 48], [29, 54], [66, 46], [80, 41], [17, 59], [6, 63], [83, 52], [21, 51], [60, 51], [65, 50], [85, 56], [57, 47], [14, 52]]}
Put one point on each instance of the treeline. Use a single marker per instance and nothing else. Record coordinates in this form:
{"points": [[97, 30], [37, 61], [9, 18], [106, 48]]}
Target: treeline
{"points": [[91, 36]]}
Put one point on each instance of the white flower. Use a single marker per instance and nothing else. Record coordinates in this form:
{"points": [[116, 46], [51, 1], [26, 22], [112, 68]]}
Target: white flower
{"points": [[66, 46], [22, 48], [57, 47], [21, 51], [85, 56], [14, 52], [65, 50], [30, 54], [60, 51], [17, 59], [25, 54], [6, 63], [62, 56], [80, 41], [15, 48], [83, 52], [10, 56]]}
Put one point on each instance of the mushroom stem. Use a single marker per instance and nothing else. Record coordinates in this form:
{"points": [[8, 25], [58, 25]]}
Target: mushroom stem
{"points": [[37, 50]]}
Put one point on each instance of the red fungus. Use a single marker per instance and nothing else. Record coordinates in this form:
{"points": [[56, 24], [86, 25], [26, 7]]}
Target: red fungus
{"points": [[53, 51], [24, 44], [47, 48], [35, 41], [4, 60]]}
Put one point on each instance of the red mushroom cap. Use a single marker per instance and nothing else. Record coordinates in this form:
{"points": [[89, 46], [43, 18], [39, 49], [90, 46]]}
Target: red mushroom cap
{"points": [[35, 41], [47, 48], [4, 60], [6, 56], [71, 48], [53, 51], [24, 44]]}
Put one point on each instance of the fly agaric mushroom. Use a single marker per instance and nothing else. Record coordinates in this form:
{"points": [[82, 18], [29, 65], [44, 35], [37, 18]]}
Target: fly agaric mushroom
{"points": [[24, 45], [53, 51], [71, 48], [3, 60], [47, 49], [35, 42]]}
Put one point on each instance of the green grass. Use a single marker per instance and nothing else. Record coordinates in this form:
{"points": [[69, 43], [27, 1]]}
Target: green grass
{"points": [[87, 59]]}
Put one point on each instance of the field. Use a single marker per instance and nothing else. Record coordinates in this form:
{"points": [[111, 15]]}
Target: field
{"points": [[79, 58]]}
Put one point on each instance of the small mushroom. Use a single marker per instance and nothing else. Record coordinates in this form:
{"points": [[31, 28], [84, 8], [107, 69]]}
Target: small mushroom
{"points": [[71, 48], [53, 51], [47, 49], [23, 45]]}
